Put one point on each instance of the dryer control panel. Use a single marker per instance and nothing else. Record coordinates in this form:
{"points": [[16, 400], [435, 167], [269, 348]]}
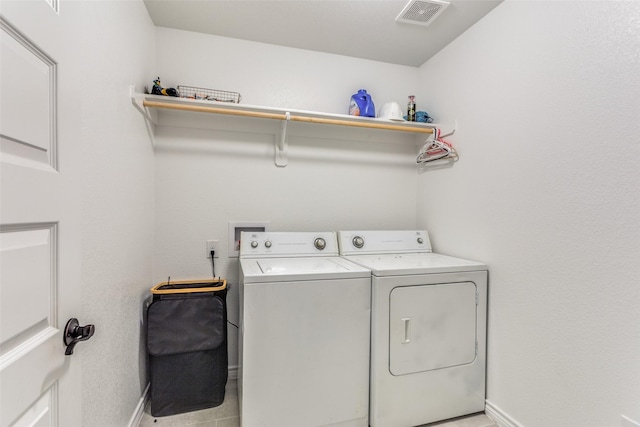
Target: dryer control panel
{"points": [[383, 242]]}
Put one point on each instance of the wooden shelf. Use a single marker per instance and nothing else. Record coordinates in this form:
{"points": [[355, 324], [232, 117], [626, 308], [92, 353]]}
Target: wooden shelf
{"points": [[145, 102]]}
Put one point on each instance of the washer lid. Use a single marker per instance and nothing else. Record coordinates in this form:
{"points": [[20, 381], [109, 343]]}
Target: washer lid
{"points": [[420, 263], [262, 270]]}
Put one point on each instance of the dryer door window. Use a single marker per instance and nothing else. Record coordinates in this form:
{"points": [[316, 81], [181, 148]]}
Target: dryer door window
{"points": [[431, 327]]}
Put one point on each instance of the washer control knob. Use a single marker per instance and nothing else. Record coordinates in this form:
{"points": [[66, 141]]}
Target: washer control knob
{"points": [[358, 242], [320, 243], [420, 240], [254, 244], [267, 244]]}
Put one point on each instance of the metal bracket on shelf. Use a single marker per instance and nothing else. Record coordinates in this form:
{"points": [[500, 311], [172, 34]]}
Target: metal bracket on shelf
{"points": [[455, 126], [150, 122], [137, 102], [281, 145]]}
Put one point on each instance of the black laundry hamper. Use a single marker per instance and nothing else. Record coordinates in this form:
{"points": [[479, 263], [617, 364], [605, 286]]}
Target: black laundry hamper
{"points": [[187, 346]]}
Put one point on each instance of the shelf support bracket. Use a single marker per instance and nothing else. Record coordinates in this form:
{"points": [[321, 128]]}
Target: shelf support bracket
{"points": [[455, 126], [281, 144], [149, 121], [138, 104]]}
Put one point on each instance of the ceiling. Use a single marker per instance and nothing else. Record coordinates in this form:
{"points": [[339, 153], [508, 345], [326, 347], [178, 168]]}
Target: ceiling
{"points": [[359, 28]]}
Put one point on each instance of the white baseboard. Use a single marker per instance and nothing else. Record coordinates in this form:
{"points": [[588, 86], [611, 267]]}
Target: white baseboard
{"points": [[628, 422], [139, 411], [233, 372], [499, 416], [504, 420]]}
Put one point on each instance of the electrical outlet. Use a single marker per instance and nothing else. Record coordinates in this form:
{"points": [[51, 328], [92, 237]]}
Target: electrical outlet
{"points": [[212, 245]]}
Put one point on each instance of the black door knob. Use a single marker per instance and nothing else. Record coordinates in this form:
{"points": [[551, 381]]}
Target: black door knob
{"points": [[74, 333]]}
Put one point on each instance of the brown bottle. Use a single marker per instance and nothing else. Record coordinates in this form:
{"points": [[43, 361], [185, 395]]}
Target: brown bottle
{"points": [[411, 109]]}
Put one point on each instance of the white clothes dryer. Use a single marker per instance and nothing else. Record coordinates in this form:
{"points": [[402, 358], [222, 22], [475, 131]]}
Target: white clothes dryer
{"points": [[428, 328], [304, 332]]}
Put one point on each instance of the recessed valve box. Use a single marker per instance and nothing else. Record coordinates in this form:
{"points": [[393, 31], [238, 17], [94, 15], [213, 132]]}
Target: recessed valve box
{"points": [[237, 227]]}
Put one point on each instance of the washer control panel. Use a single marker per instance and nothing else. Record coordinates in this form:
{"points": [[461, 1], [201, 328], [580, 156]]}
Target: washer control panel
{"points": [[383, 241], [288, 244]]}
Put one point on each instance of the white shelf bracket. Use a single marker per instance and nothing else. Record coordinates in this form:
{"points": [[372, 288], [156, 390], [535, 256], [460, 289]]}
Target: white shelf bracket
{"points": [[455, 126], [150, 123], [137, 102], [281, 144]]}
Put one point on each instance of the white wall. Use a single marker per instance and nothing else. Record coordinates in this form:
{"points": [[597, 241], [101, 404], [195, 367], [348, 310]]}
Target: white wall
{"points": [[115, 48], [277, 76], [546, 192], [222, 168]]}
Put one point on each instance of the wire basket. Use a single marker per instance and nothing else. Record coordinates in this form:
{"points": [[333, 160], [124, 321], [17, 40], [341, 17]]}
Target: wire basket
{"points": [[209, 94]]}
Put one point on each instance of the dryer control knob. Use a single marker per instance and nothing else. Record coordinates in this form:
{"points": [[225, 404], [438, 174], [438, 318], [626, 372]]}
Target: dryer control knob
{"points": [[420, 240], [254, 244], [267, 244], [358, 242], [320, 243]]}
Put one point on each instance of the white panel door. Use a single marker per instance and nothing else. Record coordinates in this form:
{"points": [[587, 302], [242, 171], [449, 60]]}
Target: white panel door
{"points": [[39, 221]]}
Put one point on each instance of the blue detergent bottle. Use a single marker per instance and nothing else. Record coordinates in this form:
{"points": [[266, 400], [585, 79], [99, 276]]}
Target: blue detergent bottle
{"points": [[362, 105]]}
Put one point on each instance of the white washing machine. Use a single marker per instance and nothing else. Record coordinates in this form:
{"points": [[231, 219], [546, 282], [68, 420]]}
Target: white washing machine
{"points": [[304, 332], [428, 328]]}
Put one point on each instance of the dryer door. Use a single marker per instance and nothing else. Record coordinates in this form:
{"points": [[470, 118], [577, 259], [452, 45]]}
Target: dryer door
{"points": [[431, 327]]}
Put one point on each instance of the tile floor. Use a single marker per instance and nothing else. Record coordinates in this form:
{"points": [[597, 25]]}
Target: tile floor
{"points": [[475, 420], [227, 415]]}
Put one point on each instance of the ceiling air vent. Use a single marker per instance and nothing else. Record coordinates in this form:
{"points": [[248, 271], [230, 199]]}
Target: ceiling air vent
{"points": [[422, 12]]}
